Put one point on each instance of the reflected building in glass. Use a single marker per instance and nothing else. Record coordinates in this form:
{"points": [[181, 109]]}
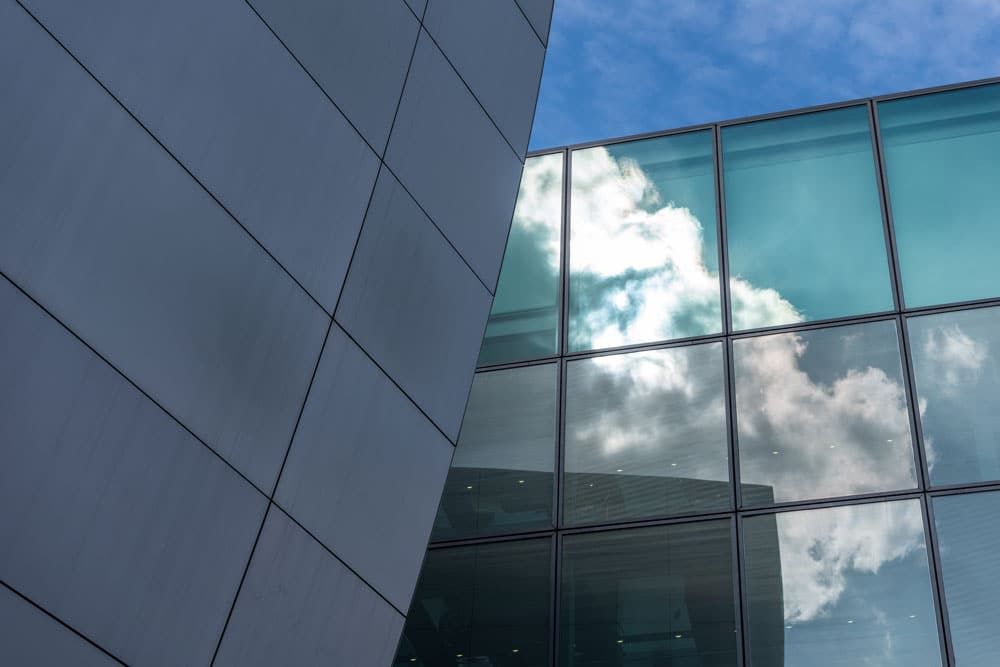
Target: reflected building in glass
{"points": [[738, 402]]}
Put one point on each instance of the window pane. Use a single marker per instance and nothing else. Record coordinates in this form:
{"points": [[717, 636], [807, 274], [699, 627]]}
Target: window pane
{"points": [[822, 413], [643, 242], [942, 170], [524, 321], [501, 476], [969, 544], [649, 597], [646, 435], [480, 605], [804, 222], [958, 384], [840, 586]]}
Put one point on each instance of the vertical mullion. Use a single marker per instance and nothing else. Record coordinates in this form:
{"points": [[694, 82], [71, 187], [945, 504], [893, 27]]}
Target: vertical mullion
{"points": [[910, 386], [720, 214], [563, 347], [937, 577], [886, 202], [741, 591]]}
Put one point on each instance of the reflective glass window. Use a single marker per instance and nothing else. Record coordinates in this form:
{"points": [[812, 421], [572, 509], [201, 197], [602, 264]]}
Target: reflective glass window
{"points": [[957, 371], [500, 479], [643, 256], [969, 544], [822, 413], [649, 597], [840, 586], [646, 435], [524, 320], [803, 218], [487, 604], [942, 171]]}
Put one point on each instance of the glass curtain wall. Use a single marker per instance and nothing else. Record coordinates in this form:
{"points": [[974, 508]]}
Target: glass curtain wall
{"points": [[739, 403]]}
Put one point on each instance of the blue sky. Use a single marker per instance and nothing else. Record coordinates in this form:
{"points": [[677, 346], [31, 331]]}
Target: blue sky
{"points": [[617, 67]]}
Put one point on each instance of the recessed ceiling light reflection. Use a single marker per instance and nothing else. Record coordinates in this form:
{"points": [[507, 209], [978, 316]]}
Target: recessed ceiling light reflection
{"points": [[619, 470]]}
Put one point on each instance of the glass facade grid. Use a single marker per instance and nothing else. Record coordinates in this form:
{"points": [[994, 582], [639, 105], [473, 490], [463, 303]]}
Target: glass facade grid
{"points": [[924, 482]]}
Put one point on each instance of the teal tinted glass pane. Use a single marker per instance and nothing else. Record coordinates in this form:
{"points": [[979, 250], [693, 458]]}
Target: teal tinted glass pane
{"points": [[646, 435], [500, 479], [822, 413], [942, 169], [956, 363], [969, 544], [524, 320], [643, 250], [840, 587], [480, 605], [649, 597], [804, 222]]}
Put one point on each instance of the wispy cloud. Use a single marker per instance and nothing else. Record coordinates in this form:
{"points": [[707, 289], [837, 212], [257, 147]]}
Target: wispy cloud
{"points": [[617, 68]]}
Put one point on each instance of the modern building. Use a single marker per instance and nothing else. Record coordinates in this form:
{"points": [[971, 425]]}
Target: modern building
{"points": [[247, 253], [737, 402]]}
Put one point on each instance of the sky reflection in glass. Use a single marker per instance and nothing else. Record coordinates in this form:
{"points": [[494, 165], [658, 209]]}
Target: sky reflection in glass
{"points": [[822, 413], [643, 242], [646, 435], [944, 185], [480, 605], [649, 597], [955, 363], [804, 222], [501, 475], [852, 585], [524, 320], [969, 543]]}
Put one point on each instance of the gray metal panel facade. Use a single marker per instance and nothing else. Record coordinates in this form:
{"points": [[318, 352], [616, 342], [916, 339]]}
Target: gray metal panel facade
{"points": [[211, 314]]}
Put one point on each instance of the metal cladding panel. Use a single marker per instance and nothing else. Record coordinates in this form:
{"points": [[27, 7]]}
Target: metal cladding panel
{"points": [[454, 161], [300, 606], [114, 518], [360, 467], [214, 85], [497, 53], [30, 637], [114, 238], [358, 52], [415, 306]]}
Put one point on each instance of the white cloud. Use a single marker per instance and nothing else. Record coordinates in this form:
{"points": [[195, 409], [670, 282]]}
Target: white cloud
{"points": [[952, 357], [821, 548], [647, 255], [846, 434]]}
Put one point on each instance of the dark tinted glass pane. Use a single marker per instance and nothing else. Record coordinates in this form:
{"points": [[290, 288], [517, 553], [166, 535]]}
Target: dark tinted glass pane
{"points": [[955, 362], [841, 586], [804, 222], [646, 435], [969, 543], [481, 605], [501, 477], [822, 413], [942, 169], [643, 242], [524, 321], [649, 597]]}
